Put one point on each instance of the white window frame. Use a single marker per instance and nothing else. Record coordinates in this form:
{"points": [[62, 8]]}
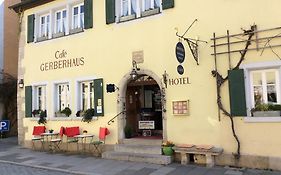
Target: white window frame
{"points": [[62, 28], [248, 82], [139, 12], [152, 5], [129, 7], [264, 85], [46, 25], [34, 95], [67, 97], [68, 5], [89, 94], [79, 16], [43, 97]]}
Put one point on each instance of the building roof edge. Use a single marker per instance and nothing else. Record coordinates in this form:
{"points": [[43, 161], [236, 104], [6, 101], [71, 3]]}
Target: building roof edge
{"points": [[27, 4]]}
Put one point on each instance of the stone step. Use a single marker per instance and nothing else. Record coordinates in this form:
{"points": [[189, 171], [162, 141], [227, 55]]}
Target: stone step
{"points": [[137, 157], [143, 149], [138, 141]]}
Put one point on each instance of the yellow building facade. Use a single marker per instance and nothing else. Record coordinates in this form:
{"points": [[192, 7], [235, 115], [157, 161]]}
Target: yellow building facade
{"points": [[70, 51]]}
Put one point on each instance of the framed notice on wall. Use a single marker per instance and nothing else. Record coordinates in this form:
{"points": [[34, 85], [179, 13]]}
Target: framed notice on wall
{"points": [[181, 107]]}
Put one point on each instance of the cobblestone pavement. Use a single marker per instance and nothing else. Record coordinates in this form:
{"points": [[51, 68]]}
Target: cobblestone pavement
{"points": [[11, 169], [15, 160]]}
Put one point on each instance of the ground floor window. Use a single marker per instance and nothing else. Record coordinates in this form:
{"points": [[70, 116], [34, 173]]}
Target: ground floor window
{"points": [[264, 87], [40, 97], [87, 95], [63, 96]]}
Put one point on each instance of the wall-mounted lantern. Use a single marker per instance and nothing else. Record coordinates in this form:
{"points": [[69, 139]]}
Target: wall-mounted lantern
{"points": [[134, 72], [21, 83]]}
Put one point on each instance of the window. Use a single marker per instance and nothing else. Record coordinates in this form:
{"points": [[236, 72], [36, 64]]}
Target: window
{"points": [[264, 87], [40, 97], [63, 96], [131, 9], [87, 95], [128, 7], [150, 4], [61, 19], [78, 16], [70, 18], [44, 25]]}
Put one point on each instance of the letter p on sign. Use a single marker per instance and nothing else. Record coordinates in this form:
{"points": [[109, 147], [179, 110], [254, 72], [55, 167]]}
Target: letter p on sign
{"points": [[4, 125]]}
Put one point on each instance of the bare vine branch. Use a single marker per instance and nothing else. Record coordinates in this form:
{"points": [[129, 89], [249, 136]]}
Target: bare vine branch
{"points": [[220, 81]]}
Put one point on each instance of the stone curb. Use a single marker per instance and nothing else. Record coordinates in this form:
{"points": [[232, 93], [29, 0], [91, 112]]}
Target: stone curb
{"points": [[48, 168]]}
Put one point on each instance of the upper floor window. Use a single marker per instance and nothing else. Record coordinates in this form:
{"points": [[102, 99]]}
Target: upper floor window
{"points": [[72, 17], [78, 16], [150, 4], [61, 20], [131, 9], [128, 7], [44, 25]]}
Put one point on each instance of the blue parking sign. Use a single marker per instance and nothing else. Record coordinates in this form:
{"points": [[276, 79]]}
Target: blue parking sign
{"points": [[4, 125]]}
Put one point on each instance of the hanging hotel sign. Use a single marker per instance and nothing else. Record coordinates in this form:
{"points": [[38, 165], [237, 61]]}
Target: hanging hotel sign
{"points": [[180, 52], [62, 62]]}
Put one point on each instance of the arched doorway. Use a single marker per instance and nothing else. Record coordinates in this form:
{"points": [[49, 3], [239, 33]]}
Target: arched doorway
{"points": [[143, 99]]}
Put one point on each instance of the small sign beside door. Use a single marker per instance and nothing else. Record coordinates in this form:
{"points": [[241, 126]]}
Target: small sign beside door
{"points": [[181, 107], [146, 125]]}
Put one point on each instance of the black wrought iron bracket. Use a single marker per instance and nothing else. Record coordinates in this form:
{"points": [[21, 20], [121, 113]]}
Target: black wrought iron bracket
{"points": [[192, 43]]}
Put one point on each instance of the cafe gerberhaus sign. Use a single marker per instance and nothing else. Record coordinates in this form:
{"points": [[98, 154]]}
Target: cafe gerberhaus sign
{"points": [[62, 61]]}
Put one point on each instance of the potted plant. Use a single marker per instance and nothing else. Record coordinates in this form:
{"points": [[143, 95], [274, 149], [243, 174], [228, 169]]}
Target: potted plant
{"points": [[88, 115], [66, 111], [36, 112], [42, 117], [266, 110], [128, 131], [167, 148]]}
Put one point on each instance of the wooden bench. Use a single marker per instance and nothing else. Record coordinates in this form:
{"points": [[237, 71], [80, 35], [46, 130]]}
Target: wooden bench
{"points": [[209, 153]]}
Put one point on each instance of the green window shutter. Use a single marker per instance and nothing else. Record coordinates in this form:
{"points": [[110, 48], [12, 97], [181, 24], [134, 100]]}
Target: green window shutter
{"points": [[28, 101], [88, 17], [30, 28], [237, 92], [110, 11], [98, 97], [166, 4]]}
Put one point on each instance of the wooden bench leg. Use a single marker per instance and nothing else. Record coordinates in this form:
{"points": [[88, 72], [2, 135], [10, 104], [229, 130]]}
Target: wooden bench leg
{"points": [[185, 158], [210, 160]]}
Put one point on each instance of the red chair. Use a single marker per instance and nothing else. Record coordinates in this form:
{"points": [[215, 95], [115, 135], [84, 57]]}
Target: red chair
{"points": [[98, 144], [70, 132], [37, 131], [55, 142]]}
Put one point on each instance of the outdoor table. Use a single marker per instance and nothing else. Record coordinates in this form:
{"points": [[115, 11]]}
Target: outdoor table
{"points": [[83, 138], [47, 136]]}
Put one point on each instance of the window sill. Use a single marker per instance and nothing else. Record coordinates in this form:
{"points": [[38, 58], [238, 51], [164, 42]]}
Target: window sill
{"points": [[77, 30], [150, 12], [43, 38], [127, 18], [262, 119], [57, 35]]}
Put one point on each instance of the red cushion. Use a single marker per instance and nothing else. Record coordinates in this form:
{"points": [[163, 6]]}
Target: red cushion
{"points": [[62, 131], [38, 130], [72, 131], [103, 133]]}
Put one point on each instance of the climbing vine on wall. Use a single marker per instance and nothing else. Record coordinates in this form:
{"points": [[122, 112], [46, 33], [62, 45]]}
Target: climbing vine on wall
{"points": [[220, 80]]}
